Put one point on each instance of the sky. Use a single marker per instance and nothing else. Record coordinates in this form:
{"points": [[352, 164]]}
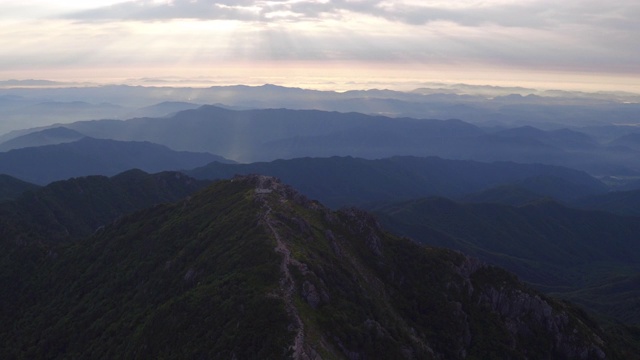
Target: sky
{"points": [[572, 44]]}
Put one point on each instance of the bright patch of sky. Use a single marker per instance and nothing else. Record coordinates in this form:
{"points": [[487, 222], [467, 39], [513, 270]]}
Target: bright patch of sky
{"points": [[573, 42]]}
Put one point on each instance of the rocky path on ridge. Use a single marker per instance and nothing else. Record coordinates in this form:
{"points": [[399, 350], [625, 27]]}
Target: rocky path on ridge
{"points": [[287, 283]]}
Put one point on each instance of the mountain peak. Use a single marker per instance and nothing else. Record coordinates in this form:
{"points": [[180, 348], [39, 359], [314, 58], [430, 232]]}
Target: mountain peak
{"points": [[260, 271], [265, 185]]}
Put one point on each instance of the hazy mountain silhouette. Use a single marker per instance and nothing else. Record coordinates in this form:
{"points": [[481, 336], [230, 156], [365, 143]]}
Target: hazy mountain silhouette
{"points": [[265, 135], [575, 195], [504, 194], [617, 202], [631, 141], [165, 108], [562, 138], [88, 156], [476, 104], [50, 136], [338, 181], [247, 135]]}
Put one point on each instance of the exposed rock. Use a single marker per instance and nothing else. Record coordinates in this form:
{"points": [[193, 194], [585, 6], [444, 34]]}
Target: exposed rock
{"points": [[328, 234], [523, 312], [310, 294], [190, 275], [365, 225]]}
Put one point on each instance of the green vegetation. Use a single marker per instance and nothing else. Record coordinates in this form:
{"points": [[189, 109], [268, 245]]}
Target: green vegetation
{"points": [[233, 273], [75, 208], [568, 252], [167, 282]]}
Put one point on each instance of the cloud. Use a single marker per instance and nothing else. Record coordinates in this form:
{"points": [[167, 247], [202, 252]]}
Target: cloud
{"points": [[149, 10], [415, 13], [242, 10], [575, 35], [535, 14], [588, 23]]}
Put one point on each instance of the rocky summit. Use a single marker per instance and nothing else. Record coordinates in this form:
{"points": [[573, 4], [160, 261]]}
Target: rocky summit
{"points": [[249, 268]]}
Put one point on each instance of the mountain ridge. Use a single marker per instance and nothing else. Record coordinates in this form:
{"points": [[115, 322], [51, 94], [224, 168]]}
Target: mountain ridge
{"points": [[48, 136], [75, 208], [279, 133], [340, 181], [280, 276], [91, 156], [11, 187]]}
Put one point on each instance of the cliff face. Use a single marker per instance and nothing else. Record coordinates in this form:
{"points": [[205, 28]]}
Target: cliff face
{"points": [[249, 268]]}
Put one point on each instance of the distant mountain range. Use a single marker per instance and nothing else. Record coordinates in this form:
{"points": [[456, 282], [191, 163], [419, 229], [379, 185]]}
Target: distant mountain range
{"points": [[265, 135], [630, 141], [250, 268], [618, 202], [626, 203], [88, 156], [489, 106], [512, 194], [49, 136], [20, 112], [165, 108], [339, 181]]}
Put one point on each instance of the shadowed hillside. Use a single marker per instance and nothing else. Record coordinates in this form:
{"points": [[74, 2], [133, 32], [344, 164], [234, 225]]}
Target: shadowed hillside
{"points": [[558, 249], [249, 268], [11, 188]]}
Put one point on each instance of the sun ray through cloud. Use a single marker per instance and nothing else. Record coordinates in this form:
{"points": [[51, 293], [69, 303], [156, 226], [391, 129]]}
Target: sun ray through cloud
{"points": [[572, 39]]}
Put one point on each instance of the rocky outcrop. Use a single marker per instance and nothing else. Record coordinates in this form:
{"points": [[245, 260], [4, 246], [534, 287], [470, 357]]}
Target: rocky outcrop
{"points": [[525, 315], [364, 225]]}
